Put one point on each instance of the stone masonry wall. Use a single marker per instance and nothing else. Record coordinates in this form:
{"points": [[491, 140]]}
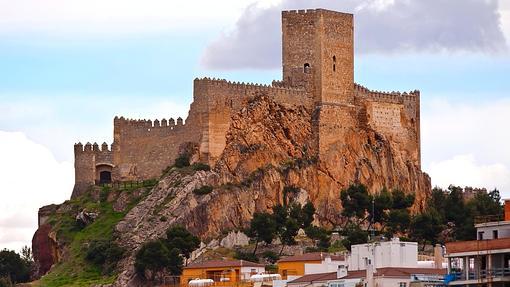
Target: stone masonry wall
{"points": [[142, 149], [225, 99], [86, 159], [395, 115]]}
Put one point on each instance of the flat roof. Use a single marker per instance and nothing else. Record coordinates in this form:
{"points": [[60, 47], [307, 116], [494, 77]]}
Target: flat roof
{"points": [[400, 272], [477, 245], [223, 264], [493, 223], [313, 256]]}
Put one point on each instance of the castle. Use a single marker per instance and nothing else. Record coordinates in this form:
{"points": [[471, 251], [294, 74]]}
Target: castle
{"points": [[318, 73]]}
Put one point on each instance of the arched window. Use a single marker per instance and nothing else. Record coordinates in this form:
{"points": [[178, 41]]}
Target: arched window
{"points": [[334, 63], [306, 68]]}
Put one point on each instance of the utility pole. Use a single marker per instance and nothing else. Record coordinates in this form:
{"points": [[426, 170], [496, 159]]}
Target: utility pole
{"points": [[371, 237]]}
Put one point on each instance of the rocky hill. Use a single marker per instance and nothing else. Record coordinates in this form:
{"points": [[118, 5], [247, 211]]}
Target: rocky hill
{"points": [[269, 158]]}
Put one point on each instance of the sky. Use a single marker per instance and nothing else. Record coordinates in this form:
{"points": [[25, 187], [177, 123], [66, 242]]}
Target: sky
{"points": [[68, 67]]}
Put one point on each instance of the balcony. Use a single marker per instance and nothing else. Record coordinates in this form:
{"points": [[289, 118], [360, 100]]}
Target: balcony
{"points": [[495, 274], [481, 246]]}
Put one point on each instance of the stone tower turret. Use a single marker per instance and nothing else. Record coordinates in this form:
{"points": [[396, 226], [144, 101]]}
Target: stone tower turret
{"points": [[318, 55]]}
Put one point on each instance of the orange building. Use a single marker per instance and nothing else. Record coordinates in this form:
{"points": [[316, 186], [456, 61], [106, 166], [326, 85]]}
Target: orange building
{"points": [[295, 266], [222, 272]]}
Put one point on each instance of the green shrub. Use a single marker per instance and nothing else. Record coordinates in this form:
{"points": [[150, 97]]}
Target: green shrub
{"points": [[248, 256], [271, 256], [182, 161], [206, 189], [200, 166], [291, 189], [104, 253], [163, 218], [13, 267], [6, 282], [103, 194], [271, 268], [155, 256]]}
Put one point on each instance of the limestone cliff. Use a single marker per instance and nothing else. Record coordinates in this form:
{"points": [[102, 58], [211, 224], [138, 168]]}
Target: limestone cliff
{"points": [[269, 146]]}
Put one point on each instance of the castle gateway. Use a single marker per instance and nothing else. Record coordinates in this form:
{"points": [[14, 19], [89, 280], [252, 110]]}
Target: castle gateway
{"points": [[318, 73]]}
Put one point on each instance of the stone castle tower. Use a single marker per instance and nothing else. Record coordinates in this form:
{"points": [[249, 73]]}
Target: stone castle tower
{"points": [[318, 55], [318, 73]]}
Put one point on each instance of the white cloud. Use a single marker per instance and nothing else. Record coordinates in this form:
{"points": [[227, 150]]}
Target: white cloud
{"points": [[505, 18], [464, 170], [467, 143], [31, 178], [112, 17], [382, 26], [60, 121]]}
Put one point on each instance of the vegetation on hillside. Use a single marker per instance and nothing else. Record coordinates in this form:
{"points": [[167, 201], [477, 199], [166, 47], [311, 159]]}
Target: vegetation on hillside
{"points": [[92, 254], [447, 216], [166, 254], [14, 267]]}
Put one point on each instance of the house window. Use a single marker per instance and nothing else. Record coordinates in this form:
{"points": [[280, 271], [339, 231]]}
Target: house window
{"points": [[402, 284], [480, 235], [494, 234], [306, 68]]}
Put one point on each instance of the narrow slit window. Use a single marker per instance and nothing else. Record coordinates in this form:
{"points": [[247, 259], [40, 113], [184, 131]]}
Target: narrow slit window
{"points": [[306, 68], [334, 63]]}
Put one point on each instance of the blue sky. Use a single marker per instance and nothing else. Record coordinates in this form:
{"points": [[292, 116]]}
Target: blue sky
{"points": [[67, 68]]}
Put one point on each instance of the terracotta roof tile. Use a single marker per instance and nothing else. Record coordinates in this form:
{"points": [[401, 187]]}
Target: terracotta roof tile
{"points": [[222, 264], [314, 256]]}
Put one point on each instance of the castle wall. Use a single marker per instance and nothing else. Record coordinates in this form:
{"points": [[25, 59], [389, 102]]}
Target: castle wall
{"points": [[226, 98], [142, 149], [395, 115], [86, 159]]}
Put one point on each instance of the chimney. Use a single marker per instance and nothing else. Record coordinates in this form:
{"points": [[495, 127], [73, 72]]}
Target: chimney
{"points": [[438, 256], [341, 272], [507, 209]]}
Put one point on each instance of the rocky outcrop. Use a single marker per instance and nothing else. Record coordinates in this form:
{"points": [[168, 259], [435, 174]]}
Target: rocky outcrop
{"points": [[45, 250], [269, 147]]}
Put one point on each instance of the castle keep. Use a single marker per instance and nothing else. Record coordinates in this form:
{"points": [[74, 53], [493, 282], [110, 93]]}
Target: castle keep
{"points": [[318, 73]]}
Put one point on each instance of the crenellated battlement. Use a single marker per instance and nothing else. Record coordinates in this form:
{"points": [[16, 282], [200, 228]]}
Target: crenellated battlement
{"points": [[223, 83], [145, 127], [88, 147], [312, 12], [396, 97]]}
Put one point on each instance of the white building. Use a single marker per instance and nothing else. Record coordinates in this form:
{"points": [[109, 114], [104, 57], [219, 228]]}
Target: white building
{"points": [[485, 261], [380, 264], [327, 265], [393, 253]]}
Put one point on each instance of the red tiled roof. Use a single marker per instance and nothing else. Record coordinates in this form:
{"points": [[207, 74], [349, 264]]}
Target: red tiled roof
{"points": [[314, 256], [223, 264], [386, 272]]}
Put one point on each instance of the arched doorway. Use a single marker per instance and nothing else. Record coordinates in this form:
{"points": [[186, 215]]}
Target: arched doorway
{"points": [[103, 173], [105, 177]]}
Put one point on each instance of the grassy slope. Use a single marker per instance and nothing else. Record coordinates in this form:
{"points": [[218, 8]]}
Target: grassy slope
{"points": [[75, 270]]}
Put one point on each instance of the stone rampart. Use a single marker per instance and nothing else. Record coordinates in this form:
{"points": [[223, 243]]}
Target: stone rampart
{"points": [[142, 149], [221, 99], [394, 114]]}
